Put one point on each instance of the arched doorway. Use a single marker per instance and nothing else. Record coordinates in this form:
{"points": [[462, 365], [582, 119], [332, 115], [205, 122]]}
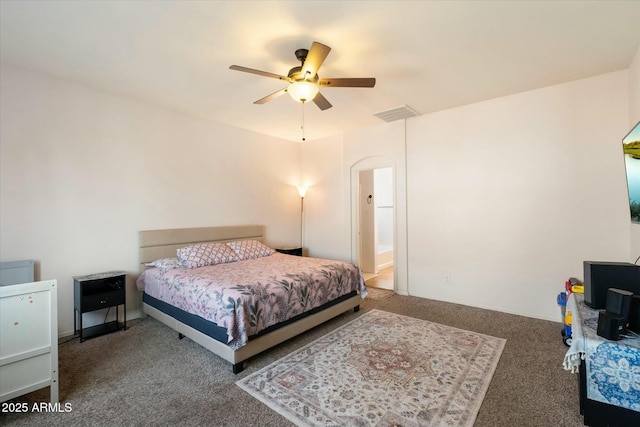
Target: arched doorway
{"points": [[373, 218]]}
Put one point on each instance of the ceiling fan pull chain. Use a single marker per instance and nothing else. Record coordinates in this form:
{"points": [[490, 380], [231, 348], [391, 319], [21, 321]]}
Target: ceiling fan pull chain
{"points": [[302, 127]]}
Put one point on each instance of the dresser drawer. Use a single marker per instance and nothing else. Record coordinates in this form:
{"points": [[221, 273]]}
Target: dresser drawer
{"points": [[103, 300]]}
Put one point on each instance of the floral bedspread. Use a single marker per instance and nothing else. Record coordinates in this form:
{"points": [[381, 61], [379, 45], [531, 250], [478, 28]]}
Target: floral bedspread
{"points": [[248, 296]]}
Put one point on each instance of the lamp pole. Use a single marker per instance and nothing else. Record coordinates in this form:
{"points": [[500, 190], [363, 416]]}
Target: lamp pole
{"points": [[302, 191], [301, 222]]}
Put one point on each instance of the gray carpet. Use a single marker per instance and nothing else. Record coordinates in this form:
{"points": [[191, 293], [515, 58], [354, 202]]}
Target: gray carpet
{"points": [[145, 376]]}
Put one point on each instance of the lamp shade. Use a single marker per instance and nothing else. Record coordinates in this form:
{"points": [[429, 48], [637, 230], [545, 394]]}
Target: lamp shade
{"points": [[303, 91], [302, 191]]}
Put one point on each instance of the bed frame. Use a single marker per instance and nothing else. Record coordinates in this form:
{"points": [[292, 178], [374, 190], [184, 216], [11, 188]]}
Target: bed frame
{"points": [[156, 244]]}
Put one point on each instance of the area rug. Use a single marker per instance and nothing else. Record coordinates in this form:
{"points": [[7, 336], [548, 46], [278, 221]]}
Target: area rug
{"points": [[382, 369]]}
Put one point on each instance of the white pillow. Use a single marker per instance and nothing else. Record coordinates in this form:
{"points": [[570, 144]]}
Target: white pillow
{"points": [[165, 263]]}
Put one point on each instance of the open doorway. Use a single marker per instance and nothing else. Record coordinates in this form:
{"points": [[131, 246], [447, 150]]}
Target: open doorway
{"points": [[400, 244], [375, 226]]}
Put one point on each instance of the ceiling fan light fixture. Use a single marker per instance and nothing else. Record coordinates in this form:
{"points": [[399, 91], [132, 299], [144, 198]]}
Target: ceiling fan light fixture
{"points": [[303, 91], [304, 83]]}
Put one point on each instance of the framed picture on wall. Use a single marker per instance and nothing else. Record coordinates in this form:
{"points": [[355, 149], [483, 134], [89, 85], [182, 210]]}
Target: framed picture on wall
{"points": [[631, 149]]}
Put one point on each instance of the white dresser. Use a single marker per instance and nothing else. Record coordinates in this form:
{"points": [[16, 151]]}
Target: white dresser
{"points": [[28, 339]]}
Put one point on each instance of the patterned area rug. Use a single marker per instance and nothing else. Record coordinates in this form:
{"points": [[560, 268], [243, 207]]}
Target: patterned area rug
{"points": [[382, 369]]}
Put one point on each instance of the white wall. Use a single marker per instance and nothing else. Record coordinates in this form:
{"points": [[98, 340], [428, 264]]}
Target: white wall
{"points": [[383, 190], [506, 197], [82, 171], [331, 165], [634, 90], [326, 216]]}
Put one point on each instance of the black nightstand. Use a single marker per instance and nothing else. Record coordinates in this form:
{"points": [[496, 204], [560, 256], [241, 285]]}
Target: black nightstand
{"points": [[290, 251], [96, 292]]}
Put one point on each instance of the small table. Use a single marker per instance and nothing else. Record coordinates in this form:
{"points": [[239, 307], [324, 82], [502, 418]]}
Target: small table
{"points": [[95, 292], [290, 251], [609, 370]]}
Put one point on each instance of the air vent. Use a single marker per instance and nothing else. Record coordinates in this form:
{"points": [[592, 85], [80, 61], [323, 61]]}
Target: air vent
{"points": [[397, 113]]}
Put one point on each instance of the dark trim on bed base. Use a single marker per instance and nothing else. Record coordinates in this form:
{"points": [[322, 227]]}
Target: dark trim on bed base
{"points": [[256, 344], [208, 328], [220, 334]]}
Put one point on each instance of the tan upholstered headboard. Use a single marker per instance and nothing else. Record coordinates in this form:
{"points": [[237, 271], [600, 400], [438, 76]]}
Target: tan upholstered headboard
{"points": [[156, 244]]}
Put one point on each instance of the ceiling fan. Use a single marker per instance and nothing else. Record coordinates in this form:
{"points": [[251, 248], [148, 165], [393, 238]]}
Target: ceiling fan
{"points": [[304, 83]]}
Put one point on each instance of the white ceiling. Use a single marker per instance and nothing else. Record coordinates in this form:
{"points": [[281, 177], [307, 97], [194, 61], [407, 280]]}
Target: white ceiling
{"points": [[429, 55]]}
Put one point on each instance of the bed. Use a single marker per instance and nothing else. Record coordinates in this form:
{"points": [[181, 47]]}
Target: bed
{"points": [[241, 297]]}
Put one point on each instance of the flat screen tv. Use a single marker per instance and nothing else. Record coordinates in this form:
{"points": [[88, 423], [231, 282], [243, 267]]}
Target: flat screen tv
{"points": [[631, 148]]}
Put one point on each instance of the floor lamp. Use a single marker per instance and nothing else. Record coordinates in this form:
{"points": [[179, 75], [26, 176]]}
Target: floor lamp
{"points": [[302, 191]]}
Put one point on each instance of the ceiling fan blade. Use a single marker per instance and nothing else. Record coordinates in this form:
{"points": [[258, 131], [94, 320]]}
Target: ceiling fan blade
{"points": [[348, 82], [322, 102], [316, 56], [258, 72], [271, 97]]}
